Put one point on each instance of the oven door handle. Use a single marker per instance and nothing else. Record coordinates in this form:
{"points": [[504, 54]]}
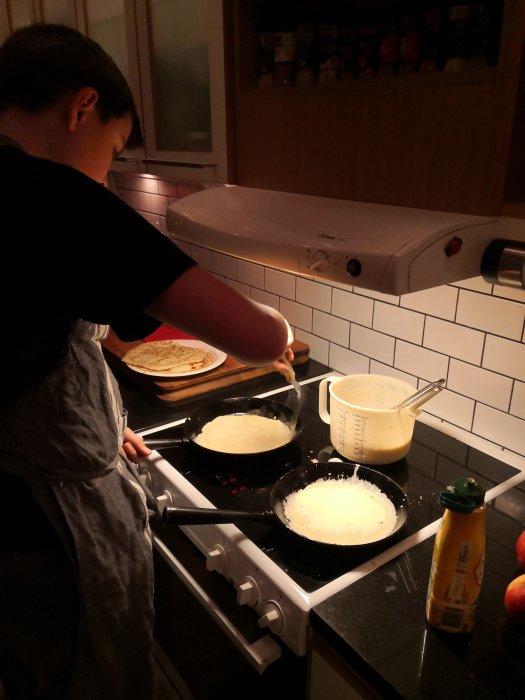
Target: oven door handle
{"points": [[259, 654]]}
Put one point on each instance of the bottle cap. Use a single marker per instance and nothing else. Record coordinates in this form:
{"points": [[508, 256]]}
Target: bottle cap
{"points": [[463, 495]]}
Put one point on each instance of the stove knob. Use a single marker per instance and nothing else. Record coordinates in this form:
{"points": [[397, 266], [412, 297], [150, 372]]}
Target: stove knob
{"points": [[273, 617], [248, 592], [217, 559]]}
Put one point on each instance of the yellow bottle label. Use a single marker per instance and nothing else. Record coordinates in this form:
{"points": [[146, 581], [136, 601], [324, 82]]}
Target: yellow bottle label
{"points": [[457, 571]]}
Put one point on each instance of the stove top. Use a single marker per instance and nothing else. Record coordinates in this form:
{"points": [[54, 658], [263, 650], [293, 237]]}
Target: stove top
{"points": [[244, 483]]}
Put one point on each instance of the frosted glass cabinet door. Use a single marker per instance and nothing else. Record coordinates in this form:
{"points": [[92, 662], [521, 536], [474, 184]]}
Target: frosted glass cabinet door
{"points": [[59, 12], [106, 24], [180, 74], [20, 13], [183, 89]]}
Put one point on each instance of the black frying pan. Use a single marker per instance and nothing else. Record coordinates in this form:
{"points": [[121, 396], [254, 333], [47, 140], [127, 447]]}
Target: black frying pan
{"points": [[194, 424], [292, 481]]}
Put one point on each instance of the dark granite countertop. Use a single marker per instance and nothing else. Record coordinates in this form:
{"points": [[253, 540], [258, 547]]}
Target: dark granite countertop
{"points": [[377, 624]]}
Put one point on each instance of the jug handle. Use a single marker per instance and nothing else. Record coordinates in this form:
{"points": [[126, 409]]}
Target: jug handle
{"points": [[323, 395]]}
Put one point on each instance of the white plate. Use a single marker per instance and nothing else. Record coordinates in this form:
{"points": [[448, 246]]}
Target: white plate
{"points": [[218, 358]]}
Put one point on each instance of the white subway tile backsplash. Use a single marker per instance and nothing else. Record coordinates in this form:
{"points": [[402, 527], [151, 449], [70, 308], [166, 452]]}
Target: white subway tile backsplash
{"points": [[419, 361], [490, 314], [453, 408], [319, 347], [505, 357], [280, 283], [440, 302], [138, 200], [476, 284], [466, 324], [296, 314], [241, 288], [480, 384], [353, 307], [318, 296], [347, 362], [456, 341], [225, 265], [371, 343], [509, 293], [159, 204], [203, 256], [387, 298], [250, 273], [265, 298], [153, 219], [398, 322], [335, 329], [388, 371], [499, 427], [517, 405], [169, 189]]}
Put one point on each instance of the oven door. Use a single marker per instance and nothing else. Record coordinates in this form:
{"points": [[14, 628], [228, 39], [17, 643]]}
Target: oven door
{"points": [[213, 593], [206, 637]]}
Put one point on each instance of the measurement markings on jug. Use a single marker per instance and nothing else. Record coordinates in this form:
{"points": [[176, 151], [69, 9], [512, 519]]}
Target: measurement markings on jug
{"points": [[359, 433]]}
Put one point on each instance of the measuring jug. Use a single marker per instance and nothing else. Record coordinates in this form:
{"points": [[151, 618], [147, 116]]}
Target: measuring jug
{"points": [[363, 425]]}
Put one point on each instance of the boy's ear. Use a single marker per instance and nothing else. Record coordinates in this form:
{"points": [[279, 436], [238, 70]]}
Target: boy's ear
{"points": [[80, 107]]}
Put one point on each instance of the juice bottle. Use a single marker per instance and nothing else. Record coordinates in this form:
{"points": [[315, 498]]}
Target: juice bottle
{"points": [[458, 558]]}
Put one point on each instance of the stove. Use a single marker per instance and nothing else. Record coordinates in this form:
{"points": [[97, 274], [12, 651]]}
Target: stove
{"points": [[269, 574]]}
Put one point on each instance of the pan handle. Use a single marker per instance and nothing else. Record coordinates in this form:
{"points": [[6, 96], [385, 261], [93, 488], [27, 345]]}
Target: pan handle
{"points": [[204, 516], [156, 443]]}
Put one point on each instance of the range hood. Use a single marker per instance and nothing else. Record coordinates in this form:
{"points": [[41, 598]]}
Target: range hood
{"points": [[390, 249]]}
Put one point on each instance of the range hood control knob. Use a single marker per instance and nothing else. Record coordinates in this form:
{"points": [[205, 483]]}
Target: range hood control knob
{"points": [[273, 617], [320, 261], [353, 267], [217, 559], [248, 592]]}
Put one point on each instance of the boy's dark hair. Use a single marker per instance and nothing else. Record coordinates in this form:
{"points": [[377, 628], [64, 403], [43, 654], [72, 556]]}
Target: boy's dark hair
{"points": [[41, 63]]}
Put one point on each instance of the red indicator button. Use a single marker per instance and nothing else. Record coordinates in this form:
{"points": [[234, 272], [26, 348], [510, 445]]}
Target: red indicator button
{"points": [[453, 247]]}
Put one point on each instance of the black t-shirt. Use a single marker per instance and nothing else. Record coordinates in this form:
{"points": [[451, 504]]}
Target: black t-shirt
{"points": [[70, 249]]}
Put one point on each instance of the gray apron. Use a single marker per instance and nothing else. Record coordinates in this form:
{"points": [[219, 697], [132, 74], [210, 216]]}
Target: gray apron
{"points": [[63, 436]]}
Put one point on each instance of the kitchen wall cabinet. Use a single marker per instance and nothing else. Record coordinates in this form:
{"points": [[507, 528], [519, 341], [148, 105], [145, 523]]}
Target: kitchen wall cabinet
{"points": [[172, 53], [439, 140]]}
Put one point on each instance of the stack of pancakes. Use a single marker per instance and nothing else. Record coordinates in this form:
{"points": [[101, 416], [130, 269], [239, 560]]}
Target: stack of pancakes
{"points": [[168, 357]]}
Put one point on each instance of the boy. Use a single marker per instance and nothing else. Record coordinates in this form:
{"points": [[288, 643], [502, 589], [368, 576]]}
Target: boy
{"points": [[76, 577]]}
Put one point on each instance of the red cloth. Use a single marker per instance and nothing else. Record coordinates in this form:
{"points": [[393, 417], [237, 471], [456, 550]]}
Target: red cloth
{"points": [[167, 333]]}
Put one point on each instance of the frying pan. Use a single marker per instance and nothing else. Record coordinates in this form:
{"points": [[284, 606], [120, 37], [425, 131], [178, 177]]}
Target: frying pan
{"points": [[196, 421], [292, 481]]}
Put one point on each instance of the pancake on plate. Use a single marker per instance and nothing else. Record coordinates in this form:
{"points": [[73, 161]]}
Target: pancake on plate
{"points": [[168, 356]]}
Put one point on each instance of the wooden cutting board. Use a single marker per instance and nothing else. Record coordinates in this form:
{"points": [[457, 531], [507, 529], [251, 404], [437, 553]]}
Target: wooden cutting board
{"points": [[229, 373]]}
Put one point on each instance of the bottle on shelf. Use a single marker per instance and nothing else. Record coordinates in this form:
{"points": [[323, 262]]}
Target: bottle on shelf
{"points": [[458, 559], [306, 40], [367, 45], [458, 37], [388, 44], [348, 61], [265, 56], [284, 58], [486, 26], [328, 52], [410, 43], [432, 44]]}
